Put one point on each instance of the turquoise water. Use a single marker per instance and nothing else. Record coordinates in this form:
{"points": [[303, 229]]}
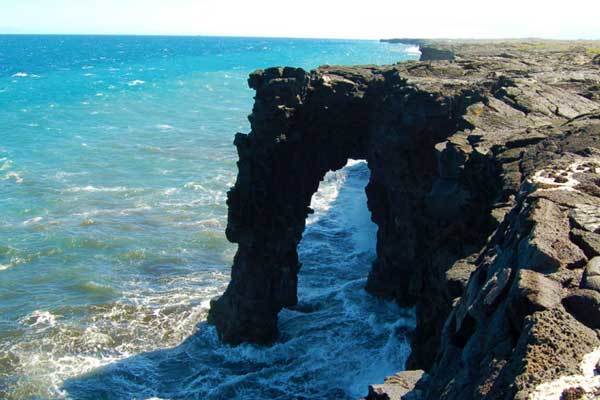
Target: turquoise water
{"points": [[115, 158]]}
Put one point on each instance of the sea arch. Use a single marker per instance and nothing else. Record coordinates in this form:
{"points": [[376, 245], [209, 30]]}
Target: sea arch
{"points": [[305, 124]]}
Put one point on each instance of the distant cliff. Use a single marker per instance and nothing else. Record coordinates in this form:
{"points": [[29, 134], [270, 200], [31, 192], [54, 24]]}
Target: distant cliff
{"points": [[485, 186]]}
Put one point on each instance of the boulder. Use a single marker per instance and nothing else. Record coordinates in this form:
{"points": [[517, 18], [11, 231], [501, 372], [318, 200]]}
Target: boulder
{"points": [[587, 217], [574, 393], [531, 292], [591, 276], [548, 246], [584, 304], [395, 386], [588, 242], [458, 276]]}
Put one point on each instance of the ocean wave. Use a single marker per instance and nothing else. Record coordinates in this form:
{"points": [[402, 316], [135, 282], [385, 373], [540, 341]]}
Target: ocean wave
{"points": [[135, 82], [151, 149], [39, 319], [93, 189], [20, 75], [62, 175], [329, 190], [33, 220], [111, 212], [195, 186], [164, 127], [211, 223], [6, 164], [14, 176], [145, 319], [96, 288]]}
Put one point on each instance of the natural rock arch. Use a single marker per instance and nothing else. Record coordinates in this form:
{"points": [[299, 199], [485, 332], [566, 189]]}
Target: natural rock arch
{"points": [[306, 124]]}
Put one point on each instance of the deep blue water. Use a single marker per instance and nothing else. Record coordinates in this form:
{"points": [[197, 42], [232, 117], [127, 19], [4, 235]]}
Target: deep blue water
{"points": [[115, 157]]}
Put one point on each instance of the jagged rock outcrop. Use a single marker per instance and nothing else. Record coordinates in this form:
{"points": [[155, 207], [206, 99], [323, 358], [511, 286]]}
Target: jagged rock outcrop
{"points": [[485, 186]]}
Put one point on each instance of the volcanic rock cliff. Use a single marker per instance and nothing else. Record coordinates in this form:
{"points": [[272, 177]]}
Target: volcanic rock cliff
{"points": [[485, 186]]}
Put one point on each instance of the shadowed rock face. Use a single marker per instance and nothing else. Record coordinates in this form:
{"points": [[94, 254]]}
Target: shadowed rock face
{"points": [[485, 189]]}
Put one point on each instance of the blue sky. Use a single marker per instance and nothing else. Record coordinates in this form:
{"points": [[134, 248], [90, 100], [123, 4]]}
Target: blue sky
{"points": [[307, 18]]}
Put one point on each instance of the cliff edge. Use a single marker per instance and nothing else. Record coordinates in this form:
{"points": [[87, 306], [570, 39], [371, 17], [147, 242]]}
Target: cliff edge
{"points": [[485, 186]]}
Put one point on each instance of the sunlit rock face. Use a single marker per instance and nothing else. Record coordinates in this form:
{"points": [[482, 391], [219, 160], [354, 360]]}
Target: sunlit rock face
{"points": [[485, 187]]}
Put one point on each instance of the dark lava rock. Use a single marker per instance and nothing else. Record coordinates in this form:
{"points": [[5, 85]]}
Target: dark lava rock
{"points": [[395, 386], [591, 276], [434, 54], [588, 242], [574, 393], [584, 304], [479, 188], [532, 292], [458, 276]]}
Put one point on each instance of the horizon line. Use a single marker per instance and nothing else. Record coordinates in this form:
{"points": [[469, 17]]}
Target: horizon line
{"points": [[296, 37]]}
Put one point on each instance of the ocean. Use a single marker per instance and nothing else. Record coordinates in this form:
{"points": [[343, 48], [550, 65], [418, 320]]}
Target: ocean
{"points": [[115, 158]]}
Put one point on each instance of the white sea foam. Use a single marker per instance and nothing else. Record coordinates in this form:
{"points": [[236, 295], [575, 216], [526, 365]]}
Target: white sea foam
{"points": [[329, 190], [6, 164], [113, 211], [62, 175], [146, 319], [194, 186], [14, 176], [40, 319], [164, 127], [92, 189], [33, 220], [136, 82], [413, 50], [210, 223], [4, 267], [20, 75]]}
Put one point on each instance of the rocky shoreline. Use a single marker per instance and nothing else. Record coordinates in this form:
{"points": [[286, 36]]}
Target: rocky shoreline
{"points": [[485, 186]]}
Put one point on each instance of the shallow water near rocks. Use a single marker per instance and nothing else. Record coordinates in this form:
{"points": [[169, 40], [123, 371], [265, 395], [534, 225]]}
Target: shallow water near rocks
{"points": [[115, 158]]}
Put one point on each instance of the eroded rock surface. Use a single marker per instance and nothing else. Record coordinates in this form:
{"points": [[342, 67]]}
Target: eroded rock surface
{"points": [[485, 186]]}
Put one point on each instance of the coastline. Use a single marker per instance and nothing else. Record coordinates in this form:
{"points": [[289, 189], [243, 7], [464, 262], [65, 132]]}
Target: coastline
{"points": [[490, 232]]}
